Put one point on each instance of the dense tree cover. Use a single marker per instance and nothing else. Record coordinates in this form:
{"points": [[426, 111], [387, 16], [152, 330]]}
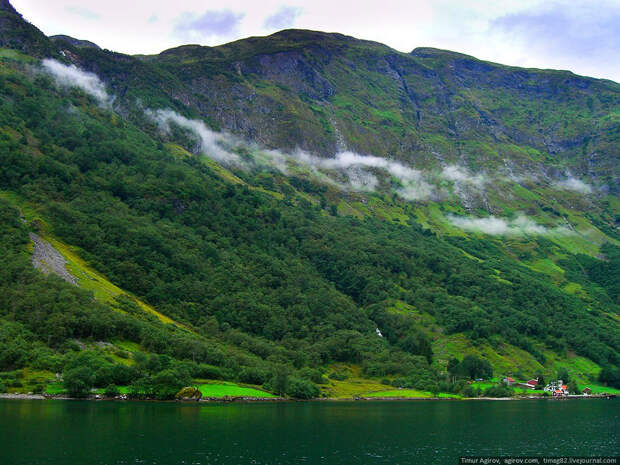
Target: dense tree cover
{"points": [[286, 282], [499, 391], [471, 367], [610, 376]]}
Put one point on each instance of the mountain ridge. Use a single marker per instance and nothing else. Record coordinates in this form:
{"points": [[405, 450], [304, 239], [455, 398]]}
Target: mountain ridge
{"points": [[300, 208]]}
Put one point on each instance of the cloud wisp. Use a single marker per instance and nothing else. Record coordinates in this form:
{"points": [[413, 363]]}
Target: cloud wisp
{"points": [[460, 175], [347, 170], [412, 183], [360, 171], [495, 226], [283, 18], [211, 24], [72, 76], [210, 142], [573, 184], [559, 33], [83, 12]]}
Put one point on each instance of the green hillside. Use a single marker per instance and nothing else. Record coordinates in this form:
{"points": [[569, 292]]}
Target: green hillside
{"points": [[479, 217]]}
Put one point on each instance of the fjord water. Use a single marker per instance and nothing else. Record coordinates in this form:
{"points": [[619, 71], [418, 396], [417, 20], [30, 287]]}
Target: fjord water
{"points": [[424, 432]]}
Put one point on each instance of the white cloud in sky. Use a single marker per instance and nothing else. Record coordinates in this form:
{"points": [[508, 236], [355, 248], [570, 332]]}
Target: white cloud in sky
{"points": [[283, 18], [578, 35], [200, 28], [83, 12]]}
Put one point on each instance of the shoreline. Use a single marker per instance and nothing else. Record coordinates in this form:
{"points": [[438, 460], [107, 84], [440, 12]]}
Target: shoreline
{"points": [[15, 396]]}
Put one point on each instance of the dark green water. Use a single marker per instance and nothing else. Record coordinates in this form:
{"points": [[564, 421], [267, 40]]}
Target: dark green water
{"points": [[426, 432]]}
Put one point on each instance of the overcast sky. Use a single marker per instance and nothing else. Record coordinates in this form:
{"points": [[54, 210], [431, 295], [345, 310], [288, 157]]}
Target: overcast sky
{"points": [[580, 35]]}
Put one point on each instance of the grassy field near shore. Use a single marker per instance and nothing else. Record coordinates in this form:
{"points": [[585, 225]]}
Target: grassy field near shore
{"points": [[411, 393], [231, 390]]}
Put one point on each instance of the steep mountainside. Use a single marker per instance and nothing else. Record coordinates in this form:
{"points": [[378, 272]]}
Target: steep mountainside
{"points": [[299, 205], [327, 92]]}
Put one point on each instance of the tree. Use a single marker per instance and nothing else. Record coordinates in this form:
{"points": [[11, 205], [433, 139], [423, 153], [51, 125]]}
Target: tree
{"points": [[453, 366], [475, 367], [79, 381], [167, 383], [112, 391], [302, 389], [573, 388], [540, 384], [563, 375], [499, 391], [279, 380], [610, 377]]}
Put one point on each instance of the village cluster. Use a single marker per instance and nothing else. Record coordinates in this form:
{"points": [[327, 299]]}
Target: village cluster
{"points": [[557, 388]]}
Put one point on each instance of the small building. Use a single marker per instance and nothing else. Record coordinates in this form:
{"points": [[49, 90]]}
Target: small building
{"points": [[532, 382], [554, 386], [587, 391], [508, 380], [527, 385]]}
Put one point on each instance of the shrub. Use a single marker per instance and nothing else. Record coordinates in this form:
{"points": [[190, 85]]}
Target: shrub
{"points": [[302, 389], [499, 391], [469, 391], [104, 376], [338, 375], [209, 372], [38, 389], [253, 375], [3, 388], [112, 391], [475, 367], [167, 383], [313, 375], [78, 381], [573, 388], [279, 381]]}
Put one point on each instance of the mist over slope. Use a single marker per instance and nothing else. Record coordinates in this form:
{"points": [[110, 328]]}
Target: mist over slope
{"points": [[281, 199]]}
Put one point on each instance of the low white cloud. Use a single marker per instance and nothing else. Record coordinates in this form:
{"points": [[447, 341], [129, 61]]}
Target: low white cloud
{"points": [[574, 184], [493, 225], [460, 175], [413, 186], [210, 142], [72, 76], [360, 171]]}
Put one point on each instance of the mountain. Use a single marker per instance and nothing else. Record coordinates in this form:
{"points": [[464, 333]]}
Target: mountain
{"points": [[322, 92], [74, 42], [17, 33], [306, 212]]}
